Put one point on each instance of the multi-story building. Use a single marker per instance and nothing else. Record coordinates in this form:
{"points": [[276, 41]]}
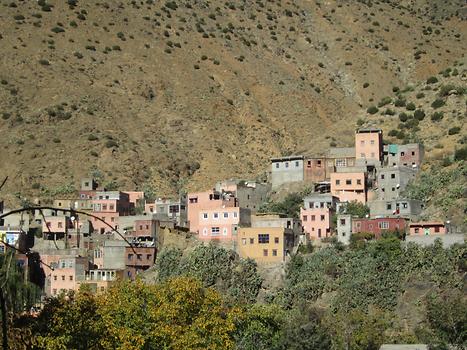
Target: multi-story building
{"points": [[339, 157], [315, 169], [369, 146], [279, 220], [99, 280], [344, 228], [378, 226], [175, 209], [265, 244], [109, 205], [410, 155], [405, 208], [391, 182], [249, 194], [349, 186], [56, 226], [427, 228], [285, 170], [316, 215], [202, 201], [222, 223]]}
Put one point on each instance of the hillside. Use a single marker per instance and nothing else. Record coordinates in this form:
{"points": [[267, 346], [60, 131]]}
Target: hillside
{"points": [[171, 95]]}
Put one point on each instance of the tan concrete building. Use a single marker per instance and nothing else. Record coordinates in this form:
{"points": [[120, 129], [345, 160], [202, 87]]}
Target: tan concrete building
{"points": [[265, 244]]}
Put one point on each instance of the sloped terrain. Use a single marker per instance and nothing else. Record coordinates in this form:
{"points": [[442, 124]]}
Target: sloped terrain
{"points": [[178, 94]]}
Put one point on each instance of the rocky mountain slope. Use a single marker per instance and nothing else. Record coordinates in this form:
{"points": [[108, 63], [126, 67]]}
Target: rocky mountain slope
{"points": [[178, 94]]}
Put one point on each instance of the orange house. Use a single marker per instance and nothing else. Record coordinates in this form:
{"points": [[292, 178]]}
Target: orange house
{"points": [[349, 186]]}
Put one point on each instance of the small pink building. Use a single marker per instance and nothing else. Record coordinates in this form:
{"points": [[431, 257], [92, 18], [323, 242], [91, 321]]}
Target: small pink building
{"points": [[109, 205], [316, 215], [202, 201], [221, 223], [427, 228], [369, 144], [135, 197], [56, 226], [349, 186]]}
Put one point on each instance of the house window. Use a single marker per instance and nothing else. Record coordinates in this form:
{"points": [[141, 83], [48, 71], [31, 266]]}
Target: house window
{"points": [[111, 207], [148, 256], [244, 241], [413, 153], [338, 182], [286, 164], [265, 252], [309, 164], [104, 206], [60, 225], [226, 215], [313, 217], [205, 215], [382, 176], [54, 291], [437, 229], [305, 217], [63, 277], [388, 206], [215, 215], [263, 238], [235, 214], [205, 231], [215, 231], [402, 153], [147, 227], [341, 163], [372, 142], [276, 240], [348, 182], [404, 205], [384, 225], [71, 278], [86, 184], [342, 222], [319, 163], [417, 230], [372, 154], [393, 176], [252, 241], [362, 143], [296, 164], [359, 181], [274, 252], [322, 217], [55, 278], [277, 165], [393, 189], [139, 256], [112, 219], [362, 155], [319, 233], [130, 256]]}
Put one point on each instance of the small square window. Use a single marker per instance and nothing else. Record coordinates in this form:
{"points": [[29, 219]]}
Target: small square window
{"points": [[277, 165], [359, 181], [305, 217], [274, 252], [348, 182], [276, 240], [226, 215], [393, 176], [244, 241], [252, 241], [265, 252], [338, 182]]}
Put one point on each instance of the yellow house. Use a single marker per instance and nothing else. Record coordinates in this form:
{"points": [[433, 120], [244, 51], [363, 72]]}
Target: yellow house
{"points": [[265, 244]]}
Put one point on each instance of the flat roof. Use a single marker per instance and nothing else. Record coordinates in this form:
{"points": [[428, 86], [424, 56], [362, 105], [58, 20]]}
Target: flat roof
{"points": [[368, 129], [427, 223], [348, 152], [287, 158]]}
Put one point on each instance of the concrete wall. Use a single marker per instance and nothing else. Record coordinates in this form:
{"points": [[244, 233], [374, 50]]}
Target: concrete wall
{"points": [[392, 181], [251, 195], [406, 155], [344, 228], [285, 170], [408, 208], [447, 240]]}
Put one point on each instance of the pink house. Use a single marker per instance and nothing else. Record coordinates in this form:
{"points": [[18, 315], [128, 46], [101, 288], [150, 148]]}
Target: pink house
{"points": [[427, 228], [135, 197], [369, 144], [109, 205], [202, 201], [349, 186], [57, 226], [221, 223], [316, 215]]}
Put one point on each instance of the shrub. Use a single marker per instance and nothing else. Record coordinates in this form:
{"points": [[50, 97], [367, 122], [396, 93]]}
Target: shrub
{"points": [[44, 62], [403, 117], [372, 110], [365, 85], [111, 143], [92, 137], [419, 114], [399, 102], [57, 30], [56, 140], [432, 80], [420, 95], [453, 131], [384, 101], [437, 116], [19, 17], [438, 103], [460, 154], [410, 106], [389, 111], [393, 133]]}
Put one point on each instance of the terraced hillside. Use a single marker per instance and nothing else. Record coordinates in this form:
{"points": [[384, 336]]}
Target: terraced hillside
{"points": [[177, 94]]}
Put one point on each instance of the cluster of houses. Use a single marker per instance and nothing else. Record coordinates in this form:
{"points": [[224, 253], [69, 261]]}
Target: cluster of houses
{"points": [[101, 236]]}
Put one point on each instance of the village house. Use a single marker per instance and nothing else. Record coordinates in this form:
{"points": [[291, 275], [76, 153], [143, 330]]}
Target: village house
{"points": [[405, 208], [378, 226], [175, 209], [136, 199], [110, 254], [249, 194], [265, 244], [316, 215], [339, 157], [222, 223], [202, 201], [315, 169], [56, 226], [349, 185], [344, 228], [286, 170], [392, 181], [88, 188], [410, 155], [427, 228], [265, 220], [369, 146], [109, 205], [99, 280]]}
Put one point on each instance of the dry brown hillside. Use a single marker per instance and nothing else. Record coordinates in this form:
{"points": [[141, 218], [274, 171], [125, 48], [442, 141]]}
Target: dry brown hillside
{"points": [[178, 94]]}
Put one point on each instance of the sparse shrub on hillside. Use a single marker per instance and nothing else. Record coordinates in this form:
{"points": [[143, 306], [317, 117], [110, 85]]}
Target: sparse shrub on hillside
{"points": [[56, 140], [18, 17], [419, 114], [432, 80], [420, 95], [384, 101], [57, 30], [403, 117], [400, 102], [44, 62], [393, 133], [454, 131], [437, 116], [73, 24], [372, 110], [438, 103], [365, 85], [460, 154], [410, 106], [389, 111], [111, 143], [92, 137]]}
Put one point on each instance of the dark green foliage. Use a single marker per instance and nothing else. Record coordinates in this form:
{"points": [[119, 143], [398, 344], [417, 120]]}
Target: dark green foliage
{"points": [[111, 143], [355, 208], [92, 137], [57, 30], [410, 106], [420, 95], [453, 131], [289, 206], [393, 133], [432, 80], [403, 117], [18, 17], [399, 102], [437, 116], [44, 62], [460, 154], [419, 114], [438, 103], [365, 85], [372, 110], [384, 101]]}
